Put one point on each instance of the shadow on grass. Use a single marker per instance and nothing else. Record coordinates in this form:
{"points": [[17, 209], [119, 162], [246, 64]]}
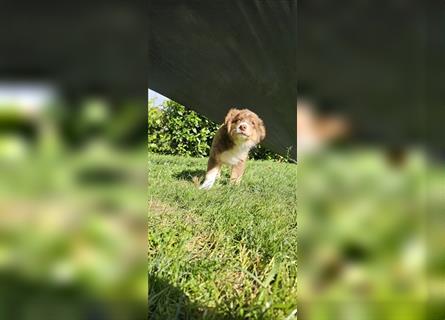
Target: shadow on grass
{"points": [[166, 301], [188, 175]]}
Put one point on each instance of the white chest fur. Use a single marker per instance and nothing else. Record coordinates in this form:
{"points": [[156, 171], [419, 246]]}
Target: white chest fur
{"points": [[235, 154]]}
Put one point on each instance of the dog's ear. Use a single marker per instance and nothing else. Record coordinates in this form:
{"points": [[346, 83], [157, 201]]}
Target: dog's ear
{"points": [[261, 130], [229, 117]]}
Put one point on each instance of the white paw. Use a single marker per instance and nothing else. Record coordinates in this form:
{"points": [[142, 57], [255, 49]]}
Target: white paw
{"points": [[207, 184], [210, 179]]}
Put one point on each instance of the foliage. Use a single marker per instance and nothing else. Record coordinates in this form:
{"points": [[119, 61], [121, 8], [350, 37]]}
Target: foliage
{"points": [[262, 153], [175, 130]]}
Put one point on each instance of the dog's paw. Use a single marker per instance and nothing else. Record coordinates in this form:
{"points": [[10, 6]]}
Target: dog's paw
{"points": [[206, 185]]}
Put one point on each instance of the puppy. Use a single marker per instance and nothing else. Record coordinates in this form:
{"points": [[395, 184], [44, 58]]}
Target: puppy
{"points": [[241, 131]]}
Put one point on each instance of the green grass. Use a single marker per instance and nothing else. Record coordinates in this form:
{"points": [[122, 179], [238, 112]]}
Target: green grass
{"points": [[230, 252]]}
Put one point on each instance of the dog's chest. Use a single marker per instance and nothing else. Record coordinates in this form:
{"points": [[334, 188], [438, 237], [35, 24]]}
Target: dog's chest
{"points": [[234, 155]]}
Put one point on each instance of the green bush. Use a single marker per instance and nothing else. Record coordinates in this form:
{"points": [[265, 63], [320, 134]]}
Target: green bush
{"points": [[174, 130]]}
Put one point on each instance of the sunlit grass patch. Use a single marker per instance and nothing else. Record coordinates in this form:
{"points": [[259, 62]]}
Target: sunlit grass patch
{"points": [[227, 252]]}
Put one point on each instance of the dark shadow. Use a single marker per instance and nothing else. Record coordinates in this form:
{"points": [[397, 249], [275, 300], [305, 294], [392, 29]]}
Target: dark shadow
{"points": [[166, 301], [224, 180], [101, 176], [188, 175], [24, 298]]}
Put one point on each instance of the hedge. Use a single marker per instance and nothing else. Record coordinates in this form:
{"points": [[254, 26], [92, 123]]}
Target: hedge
{"points": [[175, 130]]}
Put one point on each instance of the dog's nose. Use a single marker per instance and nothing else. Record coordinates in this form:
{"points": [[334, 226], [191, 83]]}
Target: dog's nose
{"points": [[242, 127]]}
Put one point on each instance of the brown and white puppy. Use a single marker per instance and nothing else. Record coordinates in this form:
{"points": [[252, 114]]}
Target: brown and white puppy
{"points": [[241, 131]]}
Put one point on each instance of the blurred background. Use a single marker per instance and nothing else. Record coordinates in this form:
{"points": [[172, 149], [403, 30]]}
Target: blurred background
{"points": [[370, 159], [73, 133], [72, 203]]}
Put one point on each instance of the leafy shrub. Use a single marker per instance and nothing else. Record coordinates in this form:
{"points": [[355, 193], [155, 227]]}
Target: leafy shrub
{"points": [[172, 129], [175, 130]]}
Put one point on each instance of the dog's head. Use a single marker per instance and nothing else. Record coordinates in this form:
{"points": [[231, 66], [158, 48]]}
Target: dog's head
{"points": [[244, 125]]}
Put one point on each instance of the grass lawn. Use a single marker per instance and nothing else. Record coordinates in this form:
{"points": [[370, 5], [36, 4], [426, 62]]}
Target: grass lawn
{"points": [[230, 252]]}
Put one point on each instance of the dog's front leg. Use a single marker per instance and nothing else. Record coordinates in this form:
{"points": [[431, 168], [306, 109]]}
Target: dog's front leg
{"points": [[237, 172], [213, 171]]}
